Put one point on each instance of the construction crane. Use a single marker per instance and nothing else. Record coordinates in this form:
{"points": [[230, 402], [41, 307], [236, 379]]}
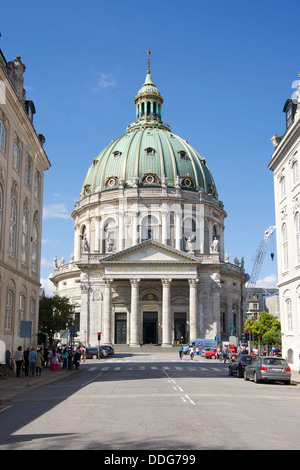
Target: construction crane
{"points": [[258, 261]]}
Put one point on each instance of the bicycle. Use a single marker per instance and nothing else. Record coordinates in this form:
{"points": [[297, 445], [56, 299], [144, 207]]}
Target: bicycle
{"points": [[4, 371]]}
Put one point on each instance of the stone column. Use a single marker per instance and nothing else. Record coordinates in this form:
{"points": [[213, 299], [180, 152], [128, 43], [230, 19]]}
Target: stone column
{"points": [[97, 233], [135, 314], [107, 313], [194, 327], [166, 313]]}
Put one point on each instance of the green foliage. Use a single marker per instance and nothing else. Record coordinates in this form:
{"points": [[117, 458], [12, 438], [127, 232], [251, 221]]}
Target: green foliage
{"points": [[53, 315], [267, 326]]}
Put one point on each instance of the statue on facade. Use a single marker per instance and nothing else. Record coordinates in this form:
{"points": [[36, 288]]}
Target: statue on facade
{"points": [[110, 244], [214, 247]]}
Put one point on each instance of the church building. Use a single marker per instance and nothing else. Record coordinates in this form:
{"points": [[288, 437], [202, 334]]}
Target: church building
{"points": [[149, 264]]}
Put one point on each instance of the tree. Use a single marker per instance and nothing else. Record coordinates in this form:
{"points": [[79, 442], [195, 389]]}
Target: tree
{"points": [[53, 315], [267, 327]]}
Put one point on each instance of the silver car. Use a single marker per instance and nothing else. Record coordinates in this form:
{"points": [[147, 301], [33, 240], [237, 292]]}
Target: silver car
{"points": [[268, 368]]}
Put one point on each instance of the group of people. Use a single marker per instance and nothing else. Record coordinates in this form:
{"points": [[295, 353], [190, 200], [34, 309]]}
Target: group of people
{"points": [[33, 360]]}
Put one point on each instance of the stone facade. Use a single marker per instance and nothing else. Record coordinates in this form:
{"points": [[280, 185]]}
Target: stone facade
{"points": [[22, 164]]}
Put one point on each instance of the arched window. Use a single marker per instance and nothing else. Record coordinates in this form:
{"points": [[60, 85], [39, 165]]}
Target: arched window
{"points": [[13, 229], [34, 247], [282, 187], [2, 137], [25, 238], [22, 301], [110, 235], [28, 171], [285, 257], [149, 228], [189, 233], [16, 158], [37, 185], [9, 310]]}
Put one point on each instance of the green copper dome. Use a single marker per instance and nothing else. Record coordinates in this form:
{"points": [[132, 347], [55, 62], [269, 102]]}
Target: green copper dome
{"points": [[149, 154]]}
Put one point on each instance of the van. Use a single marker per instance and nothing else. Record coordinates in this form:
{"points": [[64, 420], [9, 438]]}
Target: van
{"points": [[201, 343]]}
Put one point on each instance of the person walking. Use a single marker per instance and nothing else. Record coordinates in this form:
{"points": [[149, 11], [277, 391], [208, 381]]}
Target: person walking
{"points": [[65, 357], [54, 361], [38, 364], [77, 357], [19, 359], [180, 351], [32, 361], [191, 353], [224, 353]]}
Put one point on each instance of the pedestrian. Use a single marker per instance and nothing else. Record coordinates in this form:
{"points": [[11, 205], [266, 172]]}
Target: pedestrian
{"points": [[19, 359], [54, 361], [65, 357], [83, 353], [180, 351], [77, 357], [46, 352], [191, 353], [38, 364], [197, 351], [32, 361], [224, 353]]}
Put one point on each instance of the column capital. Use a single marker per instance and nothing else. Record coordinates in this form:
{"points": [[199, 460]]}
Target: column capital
{"points": [[108, 282], [166, 282], [193, 282], [135, 282]]}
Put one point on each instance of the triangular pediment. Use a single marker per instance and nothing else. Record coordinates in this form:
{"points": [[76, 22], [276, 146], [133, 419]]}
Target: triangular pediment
{"points": [[149, 252]]}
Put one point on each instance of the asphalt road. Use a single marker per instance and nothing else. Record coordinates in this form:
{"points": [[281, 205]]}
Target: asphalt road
{"points": [[153, 401]]}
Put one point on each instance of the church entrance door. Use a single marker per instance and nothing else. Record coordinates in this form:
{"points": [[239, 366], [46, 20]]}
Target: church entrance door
{"points": [[150, 328], [180, 327], [121, 328]]}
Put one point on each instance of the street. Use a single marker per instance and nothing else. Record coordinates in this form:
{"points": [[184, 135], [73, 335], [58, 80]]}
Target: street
{"points": [[153, 401]]}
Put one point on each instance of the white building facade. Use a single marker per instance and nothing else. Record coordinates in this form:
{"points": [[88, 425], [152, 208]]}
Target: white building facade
{"points": [[149, 265], [285, 165]]}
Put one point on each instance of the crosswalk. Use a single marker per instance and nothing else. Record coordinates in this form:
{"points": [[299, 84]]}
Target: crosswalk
{"points": [[138, 367]]}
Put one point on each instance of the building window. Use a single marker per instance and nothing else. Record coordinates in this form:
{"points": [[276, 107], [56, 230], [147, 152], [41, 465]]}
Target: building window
{"points": [[289, 318], [25, 238], [21, 309], [285, 258], [28, 171], [9, 310], [2, 137], [297, 231], [37, 185], [34, 247], [13, 229], [295, 170], [1, 213], [149, 228], [282, 187], [16, 158]]}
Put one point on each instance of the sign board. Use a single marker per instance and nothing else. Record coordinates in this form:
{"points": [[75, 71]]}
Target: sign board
{"points": [[25, 329]]}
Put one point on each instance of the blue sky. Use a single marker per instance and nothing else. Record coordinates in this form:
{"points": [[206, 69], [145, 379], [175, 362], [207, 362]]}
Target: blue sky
{"points": [[225, 70]]}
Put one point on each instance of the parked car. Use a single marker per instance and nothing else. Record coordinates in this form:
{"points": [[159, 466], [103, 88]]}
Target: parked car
{"points": [[268, 368], [109, 349], [212, 354], [238, 364], [205, 350], [95, 353]]}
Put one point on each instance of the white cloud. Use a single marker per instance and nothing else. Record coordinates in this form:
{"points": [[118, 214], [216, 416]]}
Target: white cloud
{"points": [[267, 282], [56, 211], [47, 285], [104, 81], [45, 262]]}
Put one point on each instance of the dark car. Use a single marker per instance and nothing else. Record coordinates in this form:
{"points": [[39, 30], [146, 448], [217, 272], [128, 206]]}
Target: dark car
{"points": [[238, 364], [268, 368], [109, 349], [95, 353]]}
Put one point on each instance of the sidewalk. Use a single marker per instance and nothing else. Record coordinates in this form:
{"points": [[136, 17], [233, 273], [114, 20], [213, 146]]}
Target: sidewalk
{"points": [[13, 386]]}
